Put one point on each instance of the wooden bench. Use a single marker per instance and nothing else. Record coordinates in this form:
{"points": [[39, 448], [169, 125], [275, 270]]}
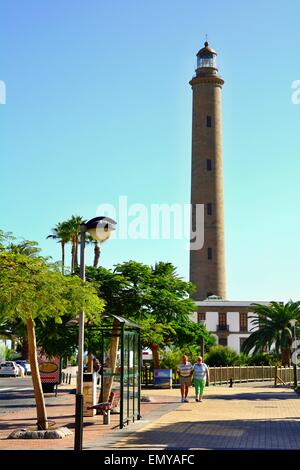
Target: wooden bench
{"points": [[107, 406]]}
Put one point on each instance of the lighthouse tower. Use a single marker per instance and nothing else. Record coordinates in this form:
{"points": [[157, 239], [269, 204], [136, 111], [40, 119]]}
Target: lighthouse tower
{"points": [[207, 265]]}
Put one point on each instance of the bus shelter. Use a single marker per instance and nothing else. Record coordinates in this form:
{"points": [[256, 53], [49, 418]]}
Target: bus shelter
{"points": [[120, 359]]}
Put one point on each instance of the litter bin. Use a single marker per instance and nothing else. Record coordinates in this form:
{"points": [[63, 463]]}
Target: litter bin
{"points": [[48, 387], [163, 378]]}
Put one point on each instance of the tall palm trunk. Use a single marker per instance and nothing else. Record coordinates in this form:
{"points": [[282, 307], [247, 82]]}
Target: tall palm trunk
{"points": [[73, 254], [76, 252], [96, 255], [285, 356], [63, 257], [42, 422]]}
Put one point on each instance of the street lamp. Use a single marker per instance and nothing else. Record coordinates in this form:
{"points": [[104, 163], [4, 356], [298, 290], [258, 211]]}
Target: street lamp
{"points": [[202, 322], [100, 228], [294, 355]]}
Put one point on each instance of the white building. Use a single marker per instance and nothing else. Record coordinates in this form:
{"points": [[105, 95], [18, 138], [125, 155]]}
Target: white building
{"points": [[229, 322]]}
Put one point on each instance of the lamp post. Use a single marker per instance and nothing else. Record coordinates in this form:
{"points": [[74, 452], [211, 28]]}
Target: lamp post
{"points": [[100, 228], [202, 322], [294, 356]]}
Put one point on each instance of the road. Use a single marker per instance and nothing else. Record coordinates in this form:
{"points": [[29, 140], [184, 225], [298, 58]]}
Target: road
{"points": [[16, 393]]}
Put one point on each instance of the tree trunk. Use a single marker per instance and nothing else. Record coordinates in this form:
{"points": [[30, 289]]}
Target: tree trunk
{"points": [[24, 348], [285, 357], [62, 257], [90, 362], [96, 255], [76, 252], [73, 255], [155, 355], [112, 360], [42, 422]]}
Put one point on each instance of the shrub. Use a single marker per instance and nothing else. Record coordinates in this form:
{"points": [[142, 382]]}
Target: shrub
{"points": [[171, 358], [263, 359], [222, 356]]}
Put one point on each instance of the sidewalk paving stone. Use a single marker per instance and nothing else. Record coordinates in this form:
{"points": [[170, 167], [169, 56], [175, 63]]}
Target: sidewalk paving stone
{"points": [[243, 417]]}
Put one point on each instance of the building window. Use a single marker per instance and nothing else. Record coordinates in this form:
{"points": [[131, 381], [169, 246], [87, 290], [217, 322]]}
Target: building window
{"points": [[209, 208], [223, 342], [222, 319], [243, 322], [208, 165], [208, 121], [201, 316], [209, 253]]}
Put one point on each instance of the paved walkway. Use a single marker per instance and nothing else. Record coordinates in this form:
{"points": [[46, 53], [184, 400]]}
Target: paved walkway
{"points": [[242, 417]]}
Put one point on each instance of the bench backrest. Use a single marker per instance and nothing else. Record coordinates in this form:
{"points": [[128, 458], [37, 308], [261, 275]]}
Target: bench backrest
{"points": [[114, 399]]}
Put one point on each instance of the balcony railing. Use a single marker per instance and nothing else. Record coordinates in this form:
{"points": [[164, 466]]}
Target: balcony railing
{"points": [[222, 327]]}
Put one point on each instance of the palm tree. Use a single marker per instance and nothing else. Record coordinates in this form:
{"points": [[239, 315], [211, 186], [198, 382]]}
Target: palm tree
{"points": [[74, 229], [61, 232], [25, 247], [90, 241], [274, 329]]}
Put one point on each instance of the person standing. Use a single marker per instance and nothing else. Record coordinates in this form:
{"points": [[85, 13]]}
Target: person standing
{"points": [[185, 370], [201, 377]]}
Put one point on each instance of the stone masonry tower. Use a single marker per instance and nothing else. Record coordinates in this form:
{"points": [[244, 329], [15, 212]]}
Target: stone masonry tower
{"points": [[207, 265]]}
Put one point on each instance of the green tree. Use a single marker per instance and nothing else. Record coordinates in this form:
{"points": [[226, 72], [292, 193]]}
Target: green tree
{"points": [[25, 247], [272, 324], [139, 292], [155, 336], [29, 289], [188, 332]]}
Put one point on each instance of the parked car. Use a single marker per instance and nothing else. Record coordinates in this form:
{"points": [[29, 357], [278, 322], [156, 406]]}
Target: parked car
{"points": [[25, 364], [9, 369]]}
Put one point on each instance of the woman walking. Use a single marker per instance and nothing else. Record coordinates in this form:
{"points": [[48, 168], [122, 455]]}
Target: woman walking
{"points": [[201, 376]]}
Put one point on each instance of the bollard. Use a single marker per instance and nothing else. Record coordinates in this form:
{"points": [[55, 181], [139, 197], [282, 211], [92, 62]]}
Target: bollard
{"points": [[231, 383], [106, 417]]}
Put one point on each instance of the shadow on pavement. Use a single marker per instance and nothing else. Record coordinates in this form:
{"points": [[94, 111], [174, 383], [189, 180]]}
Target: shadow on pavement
{"points": [[261, 396], [235, 434]]}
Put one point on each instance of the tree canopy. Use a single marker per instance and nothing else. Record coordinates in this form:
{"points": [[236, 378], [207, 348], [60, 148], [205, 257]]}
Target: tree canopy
{"points": [[273, 329]]}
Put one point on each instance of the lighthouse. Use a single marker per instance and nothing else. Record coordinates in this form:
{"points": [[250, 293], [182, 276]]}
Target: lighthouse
{"points": [[207, 264]]}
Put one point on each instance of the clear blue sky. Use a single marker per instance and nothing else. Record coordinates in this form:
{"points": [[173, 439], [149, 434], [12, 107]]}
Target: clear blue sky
{"points": [[99, 105]]}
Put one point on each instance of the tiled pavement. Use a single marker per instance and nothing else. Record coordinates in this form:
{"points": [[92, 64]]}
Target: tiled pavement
{"points": [[242, 417]]}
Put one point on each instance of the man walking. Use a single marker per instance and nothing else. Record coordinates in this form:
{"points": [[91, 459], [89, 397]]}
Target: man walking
{"points": [[185, 370]]}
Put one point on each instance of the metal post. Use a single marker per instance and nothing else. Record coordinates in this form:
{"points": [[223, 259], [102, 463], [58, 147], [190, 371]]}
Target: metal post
{"points": [[295, 363], [139, 377], [122, 379], [79, 389]]}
